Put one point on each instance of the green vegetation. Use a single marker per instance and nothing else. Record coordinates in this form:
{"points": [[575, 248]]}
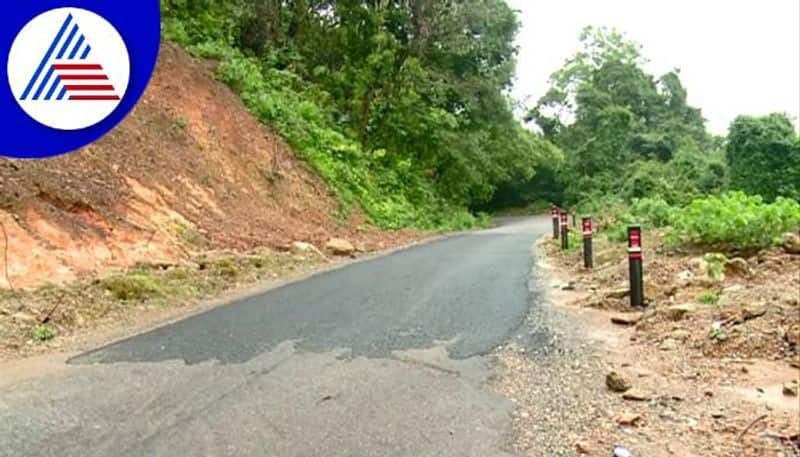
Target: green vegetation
{"points": [[709, 297], [714, 265], [575, 240], [734, 221], [729, 221], [625, 134], [764, 156], [135, 286], [43, 332], [400, 106], [636, 152]]}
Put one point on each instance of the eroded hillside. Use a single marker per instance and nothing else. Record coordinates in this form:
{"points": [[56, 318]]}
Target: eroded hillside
{"points": [[189, 170]]}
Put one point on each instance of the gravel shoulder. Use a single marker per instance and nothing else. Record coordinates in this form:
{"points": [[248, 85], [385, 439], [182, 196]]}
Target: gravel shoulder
{"points": [[678, 400]]}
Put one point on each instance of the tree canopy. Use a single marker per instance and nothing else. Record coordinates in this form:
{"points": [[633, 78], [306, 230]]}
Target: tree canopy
{"points": [[764, 156], [623, 131], [401, 104]]}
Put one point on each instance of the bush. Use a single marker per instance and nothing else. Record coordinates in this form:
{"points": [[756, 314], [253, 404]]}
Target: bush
{"points": [[734, 220], [763, 156], [647, 212], [43, 332], [134, 286], [709, 297]]}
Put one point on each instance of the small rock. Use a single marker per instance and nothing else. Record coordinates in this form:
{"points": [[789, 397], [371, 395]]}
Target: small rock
{"points": [[617, 383], [626, 319], [678, 312], [681, 334], [753, 312], [738, 266], [340, 246], [583, 447], [636, 395], [718, 414], [668, 345], [618, 293], [684, 278], [790, 389], [569, 286], [792, 335], [620, 451], [299, 247], [791, 243], [629, 419]]}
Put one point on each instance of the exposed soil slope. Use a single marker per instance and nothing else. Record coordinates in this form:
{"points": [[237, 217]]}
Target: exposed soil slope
{"points": [[190, 169]]}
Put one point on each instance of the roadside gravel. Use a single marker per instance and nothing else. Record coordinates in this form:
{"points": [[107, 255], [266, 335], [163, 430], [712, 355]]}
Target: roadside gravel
{"points": [[550, 372]]}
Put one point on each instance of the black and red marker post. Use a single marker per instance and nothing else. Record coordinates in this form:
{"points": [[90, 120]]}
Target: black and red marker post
{"points": [[588, 257], [554, 215], [564, 230], [635, 261]]}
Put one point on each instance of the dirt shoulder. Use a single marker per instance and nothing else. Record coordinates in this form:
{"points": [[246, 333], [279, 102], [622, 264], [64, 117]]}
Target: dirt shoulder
{"points": [[79, 315], [679, 388]]}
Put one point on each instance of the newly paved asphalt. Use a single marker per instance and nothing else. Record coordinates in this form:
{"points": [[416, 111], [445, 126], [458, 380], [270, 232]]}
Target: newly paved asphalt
{"points": [[380, 358]]}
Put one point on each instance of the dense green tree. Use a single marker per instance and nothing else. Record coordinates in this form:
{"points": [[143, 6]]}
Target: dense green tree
{"points": [[763, 155], [400, 104], [623, 131]]}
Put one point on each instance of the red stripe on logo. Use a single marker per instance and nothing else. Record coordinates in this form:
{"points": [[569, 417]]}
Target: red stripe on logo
{"points": [[90, 87], [82, 77], [93, 97], [77, 66]]}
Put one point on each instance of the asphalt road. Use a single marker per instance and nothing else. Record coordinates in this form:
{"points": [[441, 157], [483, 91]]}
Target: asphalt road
{"points": [[381, 358]]}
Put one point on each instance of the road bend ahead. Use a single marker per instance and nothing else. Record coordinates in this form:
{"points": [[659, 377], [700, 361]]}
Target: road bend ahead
{"points": [[380, 358]]}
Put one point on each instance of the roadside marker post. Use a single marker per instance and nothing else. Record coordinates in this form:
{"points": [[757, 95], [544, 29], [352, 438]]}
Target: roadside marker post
{"points": [[635, 262], [554, 215], [588, 256], [564, 231]]}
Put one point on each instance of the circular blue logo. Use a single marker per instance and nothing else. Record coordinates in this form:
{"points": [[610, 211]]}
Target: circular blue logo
{"points": [[73, 71]]}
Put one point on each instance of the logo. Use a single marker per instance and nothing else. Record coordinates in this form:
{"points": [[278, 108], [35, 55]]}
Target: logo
{"points": [[68, 68], [74, 70]]}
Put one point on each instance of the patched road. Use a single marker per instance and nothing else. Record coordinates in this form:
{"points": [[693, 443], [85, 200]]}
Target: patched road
{"points": [[380, 358]]}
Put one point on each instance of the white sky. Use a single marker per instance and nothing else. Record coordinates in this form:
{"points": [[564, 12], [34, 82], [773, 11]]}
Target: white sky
{"points": [[736, 56]]}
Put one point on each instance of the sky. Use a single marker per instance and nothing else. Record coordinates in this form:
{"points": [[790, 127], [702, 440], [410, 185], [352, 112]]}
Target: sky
{"points": [[735, 56]]}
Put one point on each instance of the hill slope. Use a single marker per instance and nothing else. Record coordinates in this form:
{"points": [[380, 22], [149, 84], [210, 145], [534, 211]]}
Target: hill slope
{"points": [[190, 169]]}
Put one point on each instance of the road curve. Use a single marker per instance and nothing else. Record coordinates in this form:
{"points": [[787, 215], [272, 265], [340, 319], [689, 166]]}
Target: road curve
{"points": [[383, 357]]}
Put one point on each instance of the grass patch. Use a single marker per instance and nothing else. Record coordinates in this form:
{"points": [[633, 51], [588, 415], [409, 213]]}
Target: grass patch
{"points": [[709, 297], [227, 267], [180, 123], [43, 332], [134, 286]]}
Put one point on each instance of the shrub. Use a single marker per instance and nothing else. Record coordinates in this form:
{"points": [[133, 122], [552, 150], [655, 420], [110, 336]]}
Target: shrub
{"points": [[134, 286], [648, 212], [655, 212], [43, 332], [763, 155], [709, 297], [734, 221], [715, 265]]}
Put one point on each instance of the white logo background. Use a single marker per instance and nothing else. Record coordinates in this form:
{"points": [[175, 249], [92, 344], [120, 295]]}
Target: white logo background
{"points": [[31, 45]]}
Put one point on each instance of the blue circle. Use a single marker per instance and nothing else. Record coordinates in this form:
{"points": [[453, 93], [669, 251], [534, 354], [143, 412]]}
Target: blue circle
{"points": [[138, 22]]}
